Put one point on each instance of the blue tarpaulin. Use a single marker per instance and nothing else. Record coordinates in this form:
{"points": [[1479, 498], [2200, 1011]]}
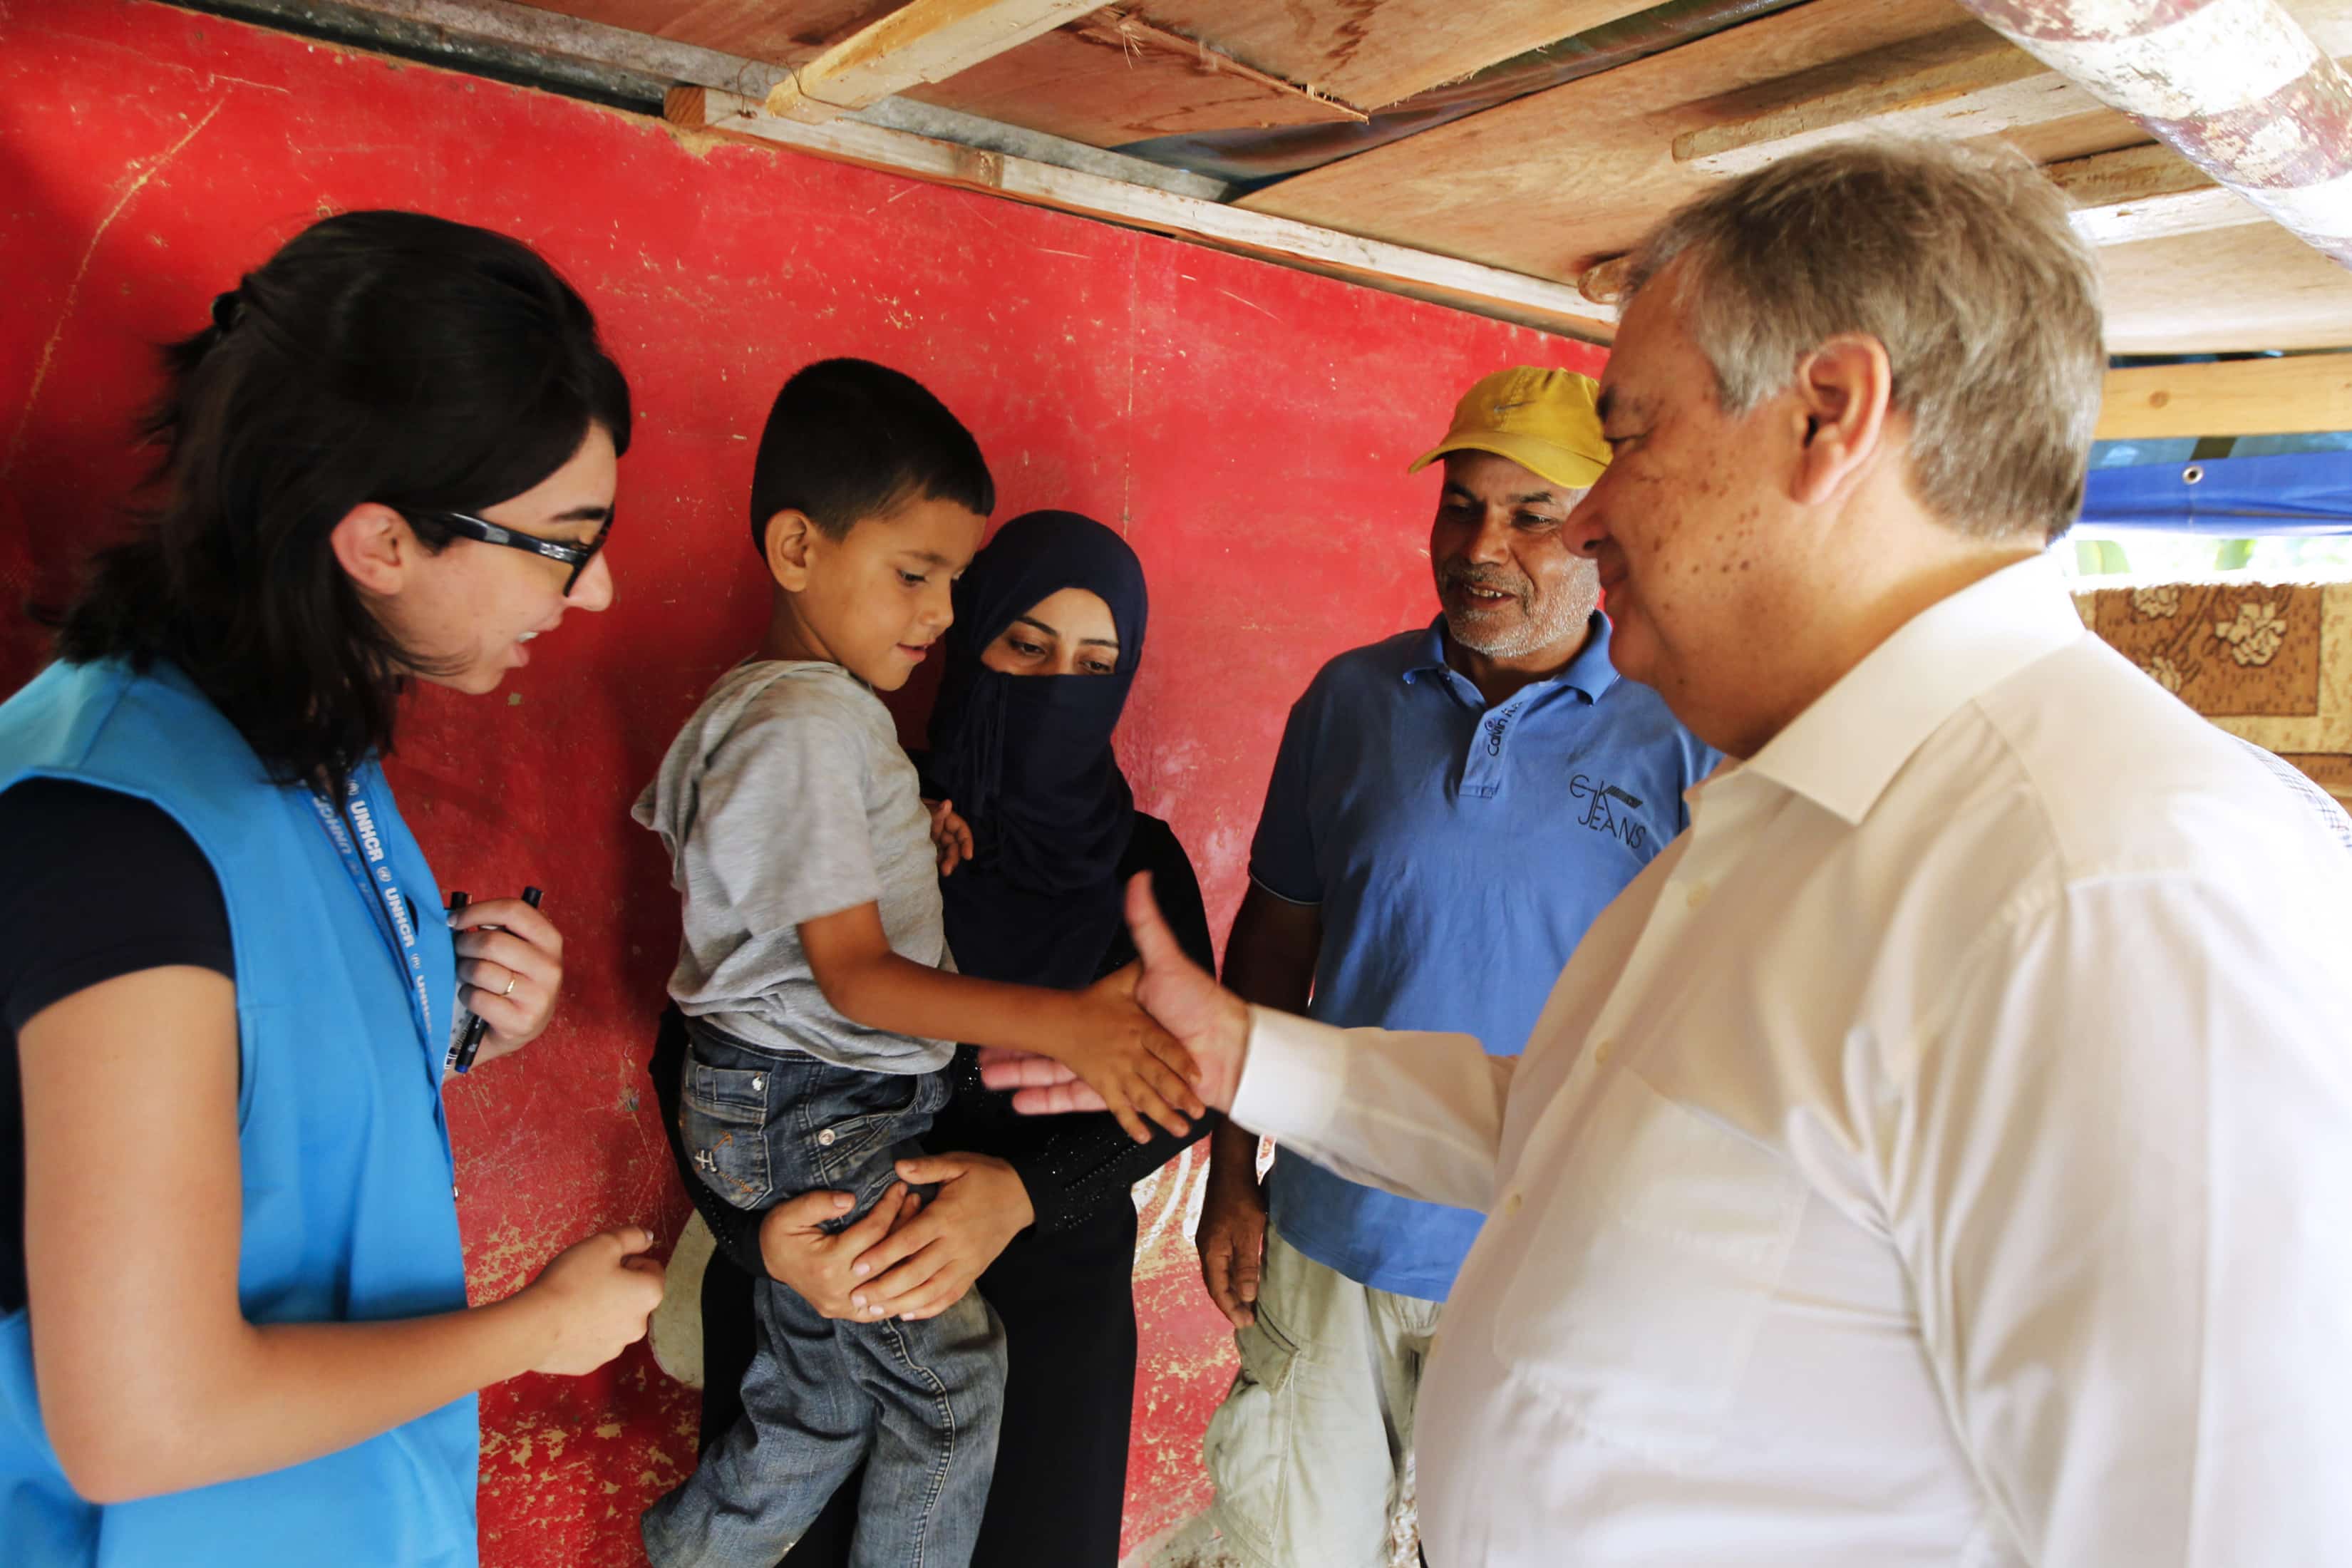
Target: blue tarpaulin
{"points": [[2229, 498]]}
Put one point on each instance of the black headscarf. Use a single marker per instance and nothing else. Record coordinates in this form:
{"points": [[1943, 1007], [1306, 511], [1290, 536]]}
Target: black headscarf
{"points": [[1027, 760]]}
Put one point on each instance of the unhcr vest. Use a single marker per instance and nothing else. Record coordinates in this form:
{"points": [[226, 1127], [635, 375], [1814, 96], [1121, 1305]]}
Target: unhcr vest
{"points": [[349, 1210]]}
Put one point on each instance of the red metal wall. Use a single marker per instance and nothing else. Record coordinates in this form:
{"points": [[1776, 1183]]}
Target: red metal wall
{"points": [[1247, 425]]}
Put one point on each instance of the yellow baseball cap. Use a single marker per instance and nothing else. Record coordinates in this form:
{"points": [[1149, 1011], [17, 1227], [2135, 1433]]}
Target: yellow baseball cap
{"points": [[1547, 421]]}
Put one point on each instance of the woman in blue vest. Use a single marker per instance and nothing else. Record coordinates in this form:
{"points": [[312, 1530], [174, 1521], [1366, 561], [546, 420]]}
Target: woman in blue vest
{"points": [[235, 1328]]}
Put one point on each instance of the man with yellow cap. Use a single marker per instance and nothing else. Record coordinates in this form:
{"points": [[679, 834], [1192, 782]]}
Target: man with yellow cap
{"points": [[1449, 809]]}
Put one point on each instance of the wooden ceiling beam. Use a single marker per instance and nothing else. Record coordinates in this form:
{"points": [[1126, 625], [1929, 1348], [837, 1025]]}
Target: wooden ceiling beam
{"points": [[1129, 32], [1374, 53], [1961, 83], [2146, 192], [2293, 395], [923, 41], [1464, 285]]}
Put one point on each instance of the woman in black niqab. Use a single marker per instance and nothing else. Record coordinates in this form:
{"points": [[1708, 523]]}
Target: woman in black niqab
{"points": [[1026, 760]]}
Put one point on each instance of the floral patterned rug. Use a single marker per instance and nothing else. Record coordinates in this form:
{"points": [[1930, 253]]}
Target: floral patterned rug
{"points": [[2270, 661]]}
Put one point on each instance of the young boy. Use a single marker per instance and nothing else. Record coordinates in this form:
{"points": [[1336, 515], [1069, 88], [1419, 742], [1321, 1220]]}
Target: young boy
{"points": [[820, 999]]}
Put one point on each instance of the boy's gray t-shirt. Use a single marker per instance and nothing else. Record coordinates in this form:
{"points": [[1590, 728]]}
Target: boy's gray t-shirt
{"points": [[786, 797]]}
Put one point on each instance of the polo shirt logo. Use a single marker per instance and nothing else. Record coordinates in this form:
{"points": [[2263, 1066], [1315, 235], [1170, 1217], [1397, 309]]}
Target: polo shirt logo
{"points": [[1597, 814], [1497, 726]]}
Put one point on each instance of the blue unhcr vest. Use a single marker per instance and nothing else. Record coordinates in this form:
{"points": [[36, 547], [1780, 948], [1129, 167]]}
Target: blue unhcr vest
{"points": [[349, 1212]]}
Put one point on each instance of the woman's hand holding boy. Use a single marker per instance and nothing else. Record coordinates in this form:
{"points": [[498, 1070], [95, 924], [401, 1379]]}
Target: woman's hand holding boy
{"points": [[903, 1258], [926, 1263], [823, 1266]]}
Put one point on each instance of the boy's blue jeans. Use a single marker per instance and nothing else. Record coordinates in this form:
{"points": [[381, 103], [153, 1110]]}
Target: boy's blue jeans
{"points": [[917, 1402]]}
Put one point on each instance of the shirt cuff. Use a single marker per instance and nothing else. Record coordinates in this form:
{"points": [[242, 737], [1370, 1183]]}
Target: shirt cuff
{"points": [[1292, 1076]]}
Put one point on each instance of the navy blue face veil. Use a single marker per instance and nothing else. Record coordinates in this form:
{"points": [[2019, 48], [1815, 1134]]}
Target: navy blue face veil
{"points": [[1027, 760]]}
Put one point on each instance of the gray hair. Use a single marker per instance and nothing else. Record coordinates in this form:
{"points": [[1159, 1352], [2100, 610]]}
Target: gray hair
{"points": [[1961, 263]]}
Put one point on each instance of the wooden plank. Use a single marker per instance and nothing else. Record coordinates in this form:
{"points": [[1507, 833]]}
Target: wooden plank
{"points": [[2255, 287], [2297, 394], [2186, 295], [653, 64], [1374, 54], [1963, 82], [1486, 290], [573, 32], [2146, 192], [923, 41], [781, 32], [1550, 182], [1088, 87], [942, 124], [1126, 31], [1062, 84]]}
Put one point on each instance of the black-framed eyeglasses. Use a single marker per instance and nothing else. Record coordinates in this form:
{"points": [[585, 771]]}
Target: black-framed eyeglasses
{"points": [[575, 556]]}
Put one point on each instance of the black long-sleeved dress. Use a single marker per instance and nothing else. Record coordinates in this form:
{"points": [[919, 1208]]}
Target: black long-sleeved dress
{"points": [[1063, 1288]]}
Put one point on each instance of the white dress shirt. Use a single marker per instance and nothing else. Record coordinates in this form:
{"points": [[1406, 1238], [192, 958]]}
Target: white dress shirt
{"points": [[1941, 1154]]}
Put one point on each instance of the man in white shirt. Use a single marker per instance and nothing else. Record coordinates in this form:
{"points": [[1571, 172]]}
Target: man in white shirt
{"points": [[1942, 1153]]}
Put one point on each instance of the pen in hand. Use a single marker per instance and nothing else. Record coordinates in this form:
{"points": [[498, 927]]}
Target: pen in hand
{"points": [[478, 1026]]}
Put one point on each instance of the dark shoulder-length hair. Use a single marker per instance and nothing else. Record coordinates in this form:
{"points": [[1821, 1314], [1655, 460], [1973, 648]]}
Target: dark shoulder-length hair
{"points": [[378, 356]]}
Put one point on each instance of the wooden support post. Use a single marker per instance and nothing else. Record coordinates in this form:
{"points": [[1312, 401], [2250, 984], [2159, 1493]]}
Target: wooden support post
{"points": [[923, 41], [2146, 192], [1465, 285], [2296, 394]]}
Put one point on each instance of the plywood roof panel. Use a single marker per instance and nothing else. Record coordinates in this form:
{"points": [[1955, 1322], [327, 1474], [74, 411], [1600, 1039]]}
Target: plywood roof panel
{"points": [[784, 32], [1550, 182], [1081, 83], [2253, 287], [1373, 53]]}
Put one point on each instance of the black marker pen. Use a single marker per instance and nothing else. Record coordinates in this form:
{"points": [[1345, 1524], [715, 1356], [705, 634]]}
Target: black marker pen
{"points": [[481, 1026], [458, 1025]]}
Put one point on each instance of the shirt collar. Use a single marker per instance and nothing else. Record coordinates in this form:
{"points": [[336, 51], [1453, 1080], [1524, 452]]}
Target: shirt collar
{"points": [[1589, 671], [1843, 750]]}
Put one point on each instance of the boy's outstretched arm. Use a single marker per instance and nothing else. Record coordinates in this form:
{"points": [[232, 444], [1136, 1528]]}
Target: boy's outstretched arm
{"points": [[1100, 1033]]}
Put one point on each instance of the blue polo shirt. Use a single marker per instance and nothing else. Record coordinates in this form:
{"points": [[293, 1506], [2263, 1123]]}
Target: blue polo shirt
{"points": [[1458, 852]]}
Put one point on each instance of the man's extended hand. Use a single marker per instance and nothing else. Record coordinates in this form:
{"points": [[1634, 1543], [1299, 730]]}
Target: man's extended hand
{"points": [[1208, 1020]]}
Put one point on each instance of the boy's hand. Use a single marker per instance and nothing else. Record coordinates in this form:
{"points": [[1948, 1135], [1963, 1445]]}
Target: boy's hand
{"points": [[1139, 1068], [951, 835], [822, 1266]]}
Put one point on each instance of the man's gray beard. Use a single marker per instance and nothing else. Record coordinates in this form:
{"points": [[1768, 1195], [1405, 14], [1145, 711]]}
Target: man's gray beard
{"points": [[1550, 623]]}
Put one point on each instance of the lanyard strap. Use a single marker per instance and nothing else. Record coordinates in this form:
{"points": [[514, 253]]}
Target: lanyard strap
{"points": [[373, 878]]}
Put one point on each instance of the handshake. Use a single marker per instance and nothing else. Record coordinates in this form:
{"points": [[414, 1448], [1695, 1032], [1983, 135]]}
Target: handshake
{"points": [[1159, 1039]]}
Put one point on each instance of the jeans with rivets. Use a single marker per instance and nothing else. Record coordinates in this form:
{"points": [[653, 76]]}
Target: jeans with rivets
{"points": [[917, 1402]]}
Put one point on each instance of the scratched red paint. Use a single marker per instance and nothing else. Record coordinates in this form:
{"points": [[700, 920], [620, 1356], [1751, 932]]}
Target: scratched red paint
{"points": [[1249, 425]]}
